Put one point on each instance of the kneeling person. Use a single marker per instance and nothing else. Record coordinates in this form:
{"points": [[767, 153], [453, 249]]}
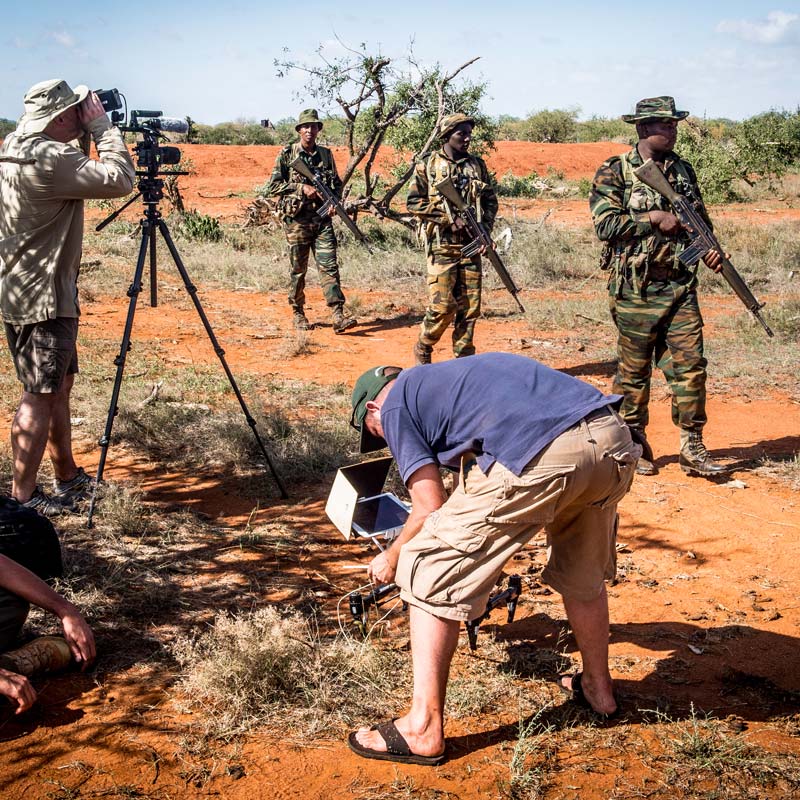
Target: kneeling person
{"points": [[534, 449]]}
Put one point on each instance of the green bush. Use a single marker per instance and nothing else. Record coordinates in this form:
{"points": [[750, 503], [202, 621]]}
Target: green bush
{"points": [[6, 126], [557, 125], [602, 129], [242, 132], [202, 227], [511, 185], [716, 161]]}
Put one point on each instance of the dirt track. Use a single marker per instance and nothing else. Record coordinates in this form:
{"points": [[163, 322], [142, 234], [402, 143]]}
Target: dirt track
{"points": [[706, 611]]}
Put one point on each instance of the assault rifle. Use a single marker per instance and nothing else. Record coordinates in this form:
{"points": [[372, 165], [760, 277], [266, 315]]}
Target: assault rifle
{"points": [[481, 237], [701, 237], [330, 201]]}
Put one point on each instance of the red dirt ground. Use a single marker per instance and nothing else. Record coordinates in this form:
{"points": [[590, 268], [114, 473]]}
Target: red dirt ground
{"points": [[710, 572]]}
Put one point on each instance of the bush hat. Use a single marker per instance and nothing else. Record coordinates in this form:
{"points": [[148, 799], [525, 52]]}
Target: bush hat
{"points": [[307, 116], [45, 101], [451, 122], [367, 388], [655, 108]]}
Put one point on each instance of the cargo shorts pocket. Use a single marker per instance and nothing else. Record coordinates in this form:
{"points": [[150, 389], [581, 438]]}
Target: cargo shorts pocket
{"points": [[433, 564], [532, 497], [622, 478]]}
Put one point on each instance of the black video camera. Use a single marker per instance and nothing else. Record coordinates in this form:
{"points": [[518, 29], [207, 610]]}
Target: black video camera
{"points": [[150, 124]]}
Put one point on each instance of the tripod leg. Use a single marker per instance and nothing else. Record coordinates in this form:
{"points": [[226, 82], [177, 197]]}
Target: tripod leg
{"points": [[148, 235], [153, 270], [192, 290]]}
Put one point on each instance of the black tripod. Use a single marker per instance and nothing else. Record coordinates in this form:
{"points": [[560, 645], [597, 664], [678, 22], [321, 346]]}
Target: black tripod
{"points": [[151, 191]]}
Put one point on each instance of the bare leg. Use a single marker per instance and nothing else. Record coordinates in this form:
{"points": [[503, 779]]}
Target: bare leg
{"points": [[29, 432], [433, 642], [59, 441], [589, 621]]}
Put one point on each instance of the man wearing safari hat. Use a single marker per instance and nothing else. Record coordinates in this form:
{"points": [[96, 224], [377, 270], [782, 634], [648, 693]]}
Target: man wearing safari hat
{"points": [[653, 295], [44, 179], [533, 449], [298, 202], [454, 282]]}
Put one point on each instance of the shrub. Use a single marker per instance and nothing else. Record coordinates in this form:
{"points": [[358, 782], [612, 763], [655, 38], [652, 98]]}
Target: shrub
{"points": [[202, 227], [715, 161], [602, 129], [557, 125]]}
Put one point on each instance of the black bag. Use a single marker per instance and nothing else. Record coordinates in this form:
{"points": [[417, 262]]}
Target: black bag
{"points": [[29, 539]]}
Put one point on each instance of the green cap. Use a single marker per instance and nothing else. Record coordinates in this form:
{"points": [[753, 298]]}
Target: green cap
{"points": [[45, 101], [451, 122], [308, 116], [367, 388], [655, 108]]}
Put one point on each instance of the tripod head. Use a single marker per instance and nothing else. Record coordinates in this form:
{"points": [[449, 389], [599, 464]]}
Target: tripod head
{"points": [[150, 156]]}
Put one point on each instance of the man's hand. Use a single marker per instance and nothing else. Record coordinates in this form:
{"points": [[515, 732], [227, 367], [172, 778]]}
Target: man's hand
{"points": [[665, 222], [383, 567], [309, 191], [79, 637], [713, 260], [90, 109], [18, 689]]}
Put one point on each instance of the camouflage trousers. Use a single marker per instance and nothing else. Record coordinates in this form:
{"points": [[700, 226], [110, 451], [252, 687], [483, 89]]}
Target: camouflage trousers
{"points": [[662, 325], [454, 295], [304, 237]]}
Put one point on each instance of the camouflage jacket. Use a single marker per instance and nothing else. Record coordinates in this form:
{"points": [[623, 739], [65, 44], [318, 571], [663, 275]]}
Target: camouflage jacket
{"points": [[470, 175], [287, 185], [620, 204]]}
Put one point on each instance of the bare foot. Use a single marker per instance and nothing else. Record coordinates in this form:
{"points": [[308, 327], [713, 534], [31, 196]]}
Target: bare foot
{"points": [[424, 741]]}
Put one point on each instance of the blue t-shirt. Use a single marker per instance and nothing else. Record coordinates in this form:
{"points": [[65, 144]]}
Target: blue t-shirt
{"points": [[503, 407]]}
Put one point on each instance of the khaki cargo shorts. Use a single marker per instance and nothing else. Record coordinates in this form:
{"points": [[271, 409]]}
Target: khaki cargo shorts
{"points": [[571, 489], [44, 353]]}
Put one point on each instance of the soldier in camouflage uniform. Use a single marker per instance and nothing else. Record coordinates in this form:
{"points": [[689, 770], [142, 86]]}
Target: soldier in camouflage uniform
{"points": [[454, 282], [653, 296], [298, 202]]}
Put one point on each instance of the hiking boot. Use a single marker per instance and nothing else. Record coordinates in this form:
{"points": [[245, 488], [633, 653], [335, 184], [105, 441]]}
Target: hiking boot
{"points": [[342, 321], [695, 459], [43, 654], [645, 465], [300, 321], [76, 489], [422, 353], [48, 506]]}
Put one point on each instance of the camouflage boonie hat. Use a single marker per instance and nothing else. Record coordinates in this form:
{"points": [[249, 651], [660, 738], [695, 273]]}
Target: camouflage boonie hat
{"points": [[308, 116], [451, 122], [45, 101], [655, 108]]}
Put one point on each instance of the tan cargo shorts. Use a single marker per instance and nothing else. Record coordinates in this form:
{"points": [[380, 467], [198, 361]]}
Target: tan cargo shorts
{"points": [[44, 353], [571, 489]]}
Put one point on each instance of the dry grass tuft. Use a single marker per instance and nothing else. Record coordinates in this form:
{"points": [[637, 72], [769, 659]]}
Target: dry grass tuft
{"points": [[273, 669]]}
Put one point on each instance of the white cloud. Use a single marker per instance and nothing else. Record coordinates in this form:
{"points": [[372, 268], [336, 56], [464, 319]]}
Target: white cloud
{"points": [[777, 28], [63, 38]]}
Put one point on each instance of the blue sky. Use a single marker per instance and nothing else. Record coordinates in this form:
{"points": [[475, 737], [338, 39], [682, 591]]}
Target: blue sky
{"points": [[214, 61]]}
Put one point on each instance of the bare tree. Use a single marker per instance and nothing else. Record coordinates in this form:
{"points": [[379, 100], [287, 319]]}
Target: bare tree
{"points": [[375, 95]]}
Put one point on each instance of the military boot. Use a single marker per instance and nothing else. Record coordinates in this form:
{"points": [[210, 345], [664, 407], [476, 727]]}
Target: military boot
{"points": [[645, 465], [342, 321], [300, 320], [422, 353], [695, 459], [43, 654]]}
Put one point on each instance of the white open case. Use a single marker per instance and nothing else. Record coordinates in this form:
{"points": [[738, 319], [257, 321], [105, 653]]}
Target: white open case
{"points": [[357, 505]]}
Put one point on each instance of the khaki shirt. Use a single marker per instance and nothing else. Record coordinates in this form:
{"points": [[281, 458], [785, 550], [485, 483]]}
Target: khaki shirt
{"points": [[41, 217]]}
